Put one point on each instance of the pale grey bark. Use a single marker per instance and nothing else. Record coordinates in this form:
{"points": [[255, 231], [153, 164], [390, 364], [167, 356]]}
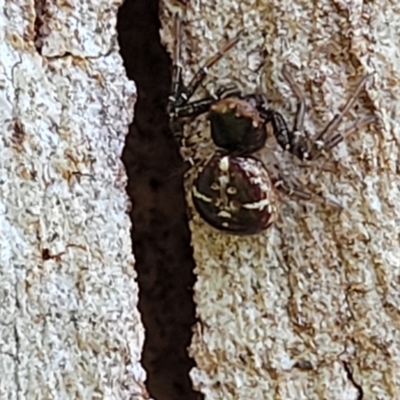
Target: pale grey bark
{"points": [[69, 327]]}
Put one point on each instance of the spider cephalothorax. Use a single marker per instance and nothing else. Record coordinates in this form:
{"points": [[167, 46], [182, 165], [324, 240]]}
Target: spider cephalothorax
{"points": [[233, 190], [237, 126]]}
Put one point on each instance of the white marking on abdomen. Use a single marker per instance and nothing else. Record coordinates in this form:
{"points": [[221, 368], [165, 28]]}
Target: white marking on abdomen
{"points": [[258, 205], [200, 196], [224, 214], [224, 164]]}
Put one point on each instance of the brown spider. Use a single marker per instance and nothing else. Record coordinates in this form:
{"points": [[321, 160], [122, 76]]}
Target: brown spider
{"points": [[233, 191]]}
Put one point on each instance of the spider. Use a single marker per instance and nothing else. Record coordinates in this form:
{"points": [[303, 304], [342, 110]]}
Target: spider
{"points": [[233, 190]]}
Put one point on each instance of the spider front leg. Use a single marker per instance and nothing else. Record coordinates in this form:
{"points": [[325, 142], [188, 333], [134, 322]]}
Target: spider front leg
{"points": [[334, 123], [297, 142], [337, 138], [201, 106], [179, 105], [198, 107], [181, 94], [293, 140]]}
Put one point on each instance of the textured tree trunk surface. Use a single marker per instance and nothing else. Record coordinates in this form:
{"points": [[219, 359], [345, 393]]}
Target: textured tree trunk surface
{"points": [[69, 328], [310, 308]]}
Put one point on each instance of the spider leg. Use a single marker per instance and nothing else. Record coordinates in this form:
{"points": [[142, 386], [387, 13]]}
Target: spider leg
{"points": [[177, 95], [292, 141], [337, 119], [197, 107], [305, 195], [226, 91], [295, 141], [300, 145], [287, 184], [334, 140], [194, 108], [203, 71], [280, 129], [181, 94], [178, 102], [301, 101]]}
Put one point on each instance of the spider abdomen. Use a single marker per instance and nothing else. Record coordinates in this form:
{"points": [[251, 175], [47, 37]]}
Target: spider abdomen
{"points": [[235, 194]]}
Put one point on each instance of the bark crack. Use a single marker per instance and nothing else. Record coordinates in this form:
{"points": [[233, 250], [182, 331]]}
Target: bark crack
{"points": [[40, 9], [349, 374], [17, 342]]}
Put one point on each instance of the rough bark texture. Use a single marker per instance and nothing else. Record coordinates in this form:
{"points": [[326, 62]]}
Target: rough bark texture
{"points": [[309, 309], [69, 328]]}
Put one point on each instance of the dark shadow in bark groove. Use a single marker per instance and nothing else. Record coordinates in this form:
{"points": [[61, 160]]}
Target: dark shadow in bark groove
{"points": [[161, 237]]}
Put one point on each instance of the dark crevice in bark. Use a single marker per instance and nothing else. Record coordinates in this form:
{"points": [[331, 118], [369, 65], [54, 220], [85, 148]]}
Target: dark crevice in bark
{"points": [[161, 237], [349, 374], [40, 10]]}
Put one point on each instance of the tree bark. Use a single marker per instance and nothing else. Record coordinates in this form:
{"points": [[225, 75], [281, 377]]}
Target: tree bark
{"points": [[69, 324], [308, 309]]}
